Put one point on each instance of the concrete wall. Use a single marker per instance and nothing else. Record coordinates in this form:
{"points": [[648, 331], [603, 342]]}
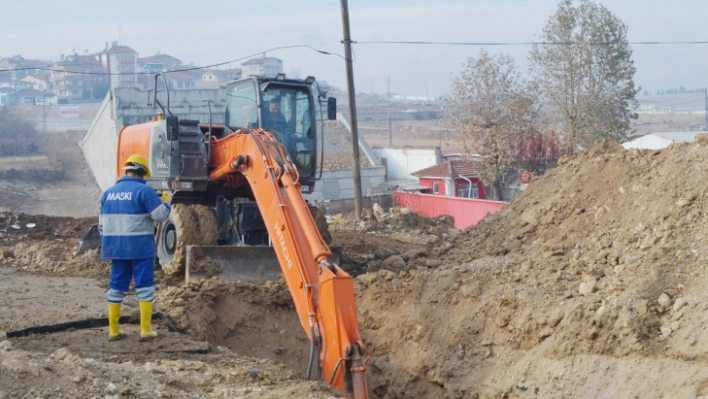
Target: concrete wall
{"points": [[100, 144], [332, 207], [131, 105], [466, 212], [401, 162], [338, 184]]}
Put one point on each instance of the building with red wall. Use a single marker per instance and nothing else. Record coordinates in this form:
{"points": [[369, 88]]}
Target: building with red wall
{"points": [[452, 179]]}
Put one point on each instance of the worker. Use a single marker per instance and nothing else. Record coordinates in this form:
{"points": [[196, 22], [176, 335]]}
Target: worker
{"points": [[129, 209], [274, 119]]}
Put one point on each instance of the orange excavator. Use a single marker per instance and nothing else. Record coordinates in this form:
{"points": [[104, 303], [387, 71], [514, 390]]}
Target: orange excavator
{"points": [[242, 183]]}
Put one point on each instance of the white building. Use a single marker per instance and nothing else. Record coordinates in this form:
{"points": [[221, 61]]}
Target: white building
{"points": [[401, 162], [121, 64], [660, 140], [266, 66]]}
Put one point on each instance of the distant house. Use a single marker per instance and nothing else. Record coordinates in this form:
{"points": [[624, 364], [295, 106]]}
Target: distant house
{"points": [[217, 77], [180, 80], [266, 66], [121, 63], [18, 67], [452, 179], [37, 82], [660, 140], [27, 97], [76, 77], [158, 63]]}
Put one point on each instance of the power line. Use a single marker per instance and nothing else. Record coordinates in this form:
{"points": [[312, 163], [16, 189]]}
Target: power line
{"points": [[166, 72], [523, 43]]}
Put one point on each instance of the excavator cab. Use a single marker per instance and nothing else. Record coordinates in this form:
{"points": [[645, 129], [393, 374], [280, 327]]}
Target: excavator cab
{"points": [[283, 107]]}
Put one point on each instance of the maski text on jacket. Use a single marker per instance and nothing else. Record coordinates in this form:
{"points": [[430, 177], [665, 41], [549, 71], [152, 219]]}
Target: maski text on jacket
{"points": [[126, 196]]}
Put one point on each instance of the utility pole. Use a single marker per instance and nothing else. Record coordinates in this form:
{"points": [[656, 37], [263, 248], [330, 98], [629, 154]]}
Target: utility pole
{"points": [[388, 88], [390, 132], [372, 85], [356, 173]]}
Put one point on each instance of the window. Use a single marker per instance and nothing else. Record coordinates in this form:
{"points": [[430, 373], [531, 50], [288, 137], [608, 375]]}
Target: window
{"points": [[463, 191], [436, 188], [241, 109]]}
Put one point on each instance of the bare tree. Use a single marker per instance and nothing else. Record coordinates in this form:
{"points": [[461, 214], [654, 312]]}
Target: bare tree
{"points": [[488, 106], [585, 72], [18, 135]]}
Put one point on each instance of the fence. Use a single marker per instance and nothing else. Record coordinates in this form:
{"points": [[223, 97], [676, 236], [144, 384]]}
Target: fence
{"points": [[467, 212]]}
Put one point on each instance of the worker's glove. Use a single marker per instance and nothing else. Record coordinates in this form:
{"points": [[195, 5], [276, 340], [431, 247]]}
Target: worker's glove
{"points": [[166, 196]]}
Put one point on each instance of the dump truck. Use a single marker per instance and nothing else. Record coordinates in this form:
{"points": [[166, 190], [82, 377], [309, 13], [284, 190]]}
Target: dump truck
{"points": [[240, 185]]}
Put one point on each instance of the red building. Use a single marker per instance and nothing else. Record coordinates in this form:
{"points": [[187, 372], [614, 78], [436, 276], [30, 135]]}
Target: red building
{"points": [[452, 179]]}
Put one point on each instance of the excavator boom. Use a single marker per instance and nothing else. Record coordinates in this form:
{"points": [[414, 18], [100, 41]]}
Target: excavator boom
{"points": [[323, 293]]}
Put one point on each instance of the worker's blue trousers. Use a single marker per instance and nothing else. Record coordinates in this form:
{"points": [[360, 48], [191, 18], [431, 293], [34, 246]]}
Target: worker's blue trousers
{"points": [[123, 271]]}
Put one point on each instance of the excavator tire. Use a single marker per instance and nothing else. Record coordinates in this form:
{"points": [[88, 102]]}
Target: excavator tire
{"points": [[178, 231], [187, 225], [321, 222]]}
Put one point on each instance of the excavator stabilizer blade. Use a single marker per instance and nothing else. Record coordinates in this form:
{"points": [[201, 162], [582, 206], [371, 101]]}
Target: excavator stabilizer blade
{"points": [[249, 264]]}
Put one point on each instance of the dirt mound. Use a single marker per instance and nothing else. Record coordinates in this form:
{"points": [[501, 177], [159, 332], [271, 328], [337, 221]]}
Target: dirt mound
{"points": [[602, 256], [395, 240]]}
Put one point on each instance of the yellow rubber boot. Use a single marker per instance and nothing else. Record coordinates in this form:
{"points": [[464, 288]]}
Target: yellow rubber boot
{"points": [[146, 332], [114, 333]]}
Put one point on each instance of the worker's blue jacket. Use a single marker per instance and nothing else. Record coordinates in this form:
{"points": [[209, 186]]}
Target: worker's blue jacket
{"points": [[129, 209]]}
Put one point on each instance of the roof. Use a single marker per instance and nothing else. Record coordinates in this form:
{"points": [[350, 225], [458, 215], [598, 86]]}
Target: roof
{"points": [[217, 72], [160, 59], [180, 76], [29, 92], [255, 61], [448, 169], [43, 78], [678, 137], [119, 50]]}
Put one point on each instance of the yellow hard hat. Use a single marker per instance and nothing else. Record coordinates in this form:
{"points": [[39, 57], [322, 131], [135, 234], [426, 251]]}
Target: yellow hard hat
{"points": [[137, 162]]}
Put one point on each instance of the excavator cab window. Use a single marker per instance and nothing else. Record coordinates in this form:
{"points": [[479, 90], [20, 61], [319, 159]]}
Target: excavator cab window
{"points": [[287, 113], [242, 108]]}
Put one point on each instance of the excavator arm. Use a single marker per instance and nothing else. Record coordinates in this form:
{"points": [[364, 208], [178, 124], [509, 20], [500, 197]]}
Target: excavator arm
{"points": [[323, 293]]}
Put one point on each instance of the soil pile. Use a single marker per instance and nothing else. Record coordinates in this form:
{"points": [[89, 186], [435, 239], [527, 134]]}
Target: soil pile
{"points": [[395, 240], [598, 266]]}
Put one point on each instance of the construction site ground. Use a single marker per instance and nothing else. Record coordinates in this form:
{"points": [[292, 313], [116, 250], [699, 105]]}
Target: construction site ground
{"points": [[591, 284]]}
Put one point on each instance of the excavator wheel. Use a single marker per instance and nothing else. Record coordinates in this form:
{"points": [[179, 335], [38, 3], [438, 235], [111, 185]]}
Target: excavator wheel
{"points": [[321, 222], [187, 225]]}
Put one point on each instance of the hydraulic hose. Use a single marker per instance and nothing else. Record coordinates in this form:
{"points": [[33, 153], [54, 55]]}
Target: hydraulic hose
{"points": [[312, 351]]}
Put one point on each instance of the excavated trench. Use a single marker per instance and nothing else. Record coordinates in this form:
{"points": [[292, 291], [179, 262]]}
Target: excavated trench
{"points": [[261, 322]]}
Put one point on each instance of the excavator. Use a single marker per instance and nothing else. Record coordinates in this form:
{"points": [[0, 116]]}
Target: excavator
{"points": [[242, 183]]}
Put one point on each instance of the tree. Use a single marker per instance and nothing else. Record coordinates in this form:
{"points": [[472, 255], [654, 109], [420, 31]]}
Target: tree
{"points": [[585, 71], [18, 135], [489, 104]]}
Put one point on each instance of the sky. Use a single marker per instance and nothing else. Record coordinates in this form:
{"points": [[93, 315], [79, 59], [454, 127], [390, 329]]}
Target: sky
{"points": [[215, 31]]}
